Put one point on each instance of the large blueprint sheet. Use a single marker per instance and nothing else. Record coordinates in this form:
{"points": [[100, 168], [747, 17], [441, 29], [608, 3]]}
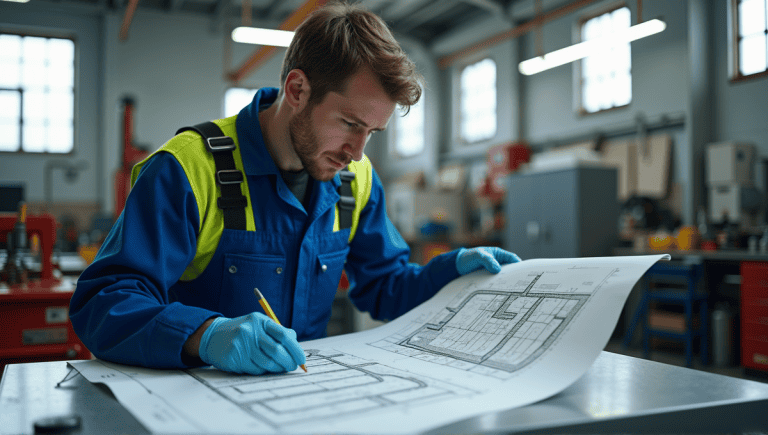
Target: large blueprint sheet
{"points": [[484, 343]]}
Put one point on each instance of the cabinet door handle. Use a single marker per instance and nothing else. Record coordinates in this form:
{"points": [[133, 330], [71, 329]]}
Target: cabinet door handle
{"points": [[532, 230]]}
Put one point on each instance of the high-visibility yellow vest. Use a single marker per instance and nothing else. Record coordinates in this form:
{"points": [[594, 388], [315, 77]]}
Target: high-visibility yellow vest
{"points": [[199, 166]]}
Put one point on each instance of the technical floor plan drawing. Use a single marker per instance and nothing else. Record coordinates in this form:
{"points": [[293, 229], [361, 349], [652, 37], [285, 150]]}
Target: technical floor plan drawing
{"points": [[505, 325], [484, 343], [335, 384]]}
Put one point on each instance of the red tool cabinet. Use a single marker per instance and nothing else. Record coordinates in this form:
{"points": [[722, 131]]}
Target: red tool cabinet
{"points": [[34, 315], [754, 314], [36, 326]]}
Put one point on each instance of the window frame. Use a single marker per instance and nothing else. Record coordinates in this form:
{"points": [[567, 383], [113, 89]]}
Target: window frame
{"points": [[735, 75], [579, 75], [75, 75], [459, 136]]}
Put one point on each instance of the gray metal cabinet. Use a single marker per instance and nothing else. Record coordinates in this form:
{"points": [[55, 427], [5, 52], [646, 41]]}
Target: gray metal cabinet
{"points": [[562, 213]]}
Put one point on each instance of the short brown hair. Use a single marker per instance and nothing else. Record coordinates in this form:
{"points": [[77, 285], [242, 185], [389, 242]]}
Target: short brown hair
{"points": [[336, 40]]}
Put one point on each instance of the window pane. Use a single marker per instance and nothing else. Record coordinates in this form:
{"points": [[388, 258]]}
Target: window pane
{"points": [[622, 89], [42, 112], [589, 30], [237, 98], [60, 136], [409, 137], [478, 101], [752, 52], [34, 49], [34, 136], [606, 76], [751, 17], [60, 105], [33, 73], [10, 47], [589, 96], [61, 52], [9, 135], [61, 77], [621, 20], [35, 105], [9, 78], [10, 107]]}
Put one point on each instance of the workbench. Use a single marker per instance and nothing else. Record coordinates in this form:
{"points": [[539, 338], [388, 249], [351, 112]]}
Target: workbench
{"points": [[618, 394]]}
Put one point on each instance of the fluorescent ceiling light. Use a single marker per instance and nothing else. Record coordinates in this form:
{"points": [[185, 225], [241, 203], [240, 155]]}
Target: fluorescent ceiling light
{"points": [[254, 35], [588, 48], [17, 1]]}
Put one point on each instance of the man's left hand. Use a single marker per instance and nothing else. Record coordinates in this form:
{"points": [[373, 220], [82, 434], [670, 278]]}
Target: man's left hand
{"points": [[490, 258]]}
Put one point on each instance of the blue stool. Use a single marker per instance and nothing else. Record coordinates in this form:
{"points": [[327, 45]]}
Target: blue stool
{"points": [[674, 284]]}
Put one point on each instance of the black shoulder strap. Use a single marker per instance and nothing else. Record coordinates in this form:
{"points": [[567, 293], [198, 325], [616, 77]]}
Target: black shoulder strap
{"points": [[346, 198], [228, 177]]}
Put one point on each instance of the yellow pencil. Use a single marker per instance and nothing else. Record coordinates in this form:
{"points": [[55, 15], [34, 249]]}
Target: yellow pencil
{"points": [[267, 309]]}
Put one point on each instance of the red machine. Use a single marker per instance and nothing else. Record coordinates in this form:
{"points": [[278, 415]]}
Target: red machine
{"points": [[132, 154], [34, 312]]}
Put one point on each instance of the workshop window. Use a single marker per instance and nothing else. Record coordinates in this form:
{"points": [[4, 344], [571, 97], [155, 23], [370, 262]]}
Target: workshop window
{"points": [[409, 130], [606, 76], [237, 98], [478, 101], [37, 94], [750, 41]]}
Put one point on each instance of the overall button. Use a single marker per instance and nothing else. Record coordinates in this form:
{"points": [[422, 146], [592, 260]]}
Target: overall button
{"points": [[323, 268], [232, 269], [279, 270]]}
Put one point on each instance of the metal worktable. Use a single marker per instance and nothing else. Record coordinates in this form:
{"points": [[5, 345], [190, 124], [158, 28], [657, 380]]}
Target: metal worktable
{"points": [[618, 394]]}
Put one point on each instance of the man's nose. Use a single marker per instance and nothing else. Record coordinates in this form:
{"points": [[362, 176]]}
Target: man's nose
{"points": [[356, 145]]}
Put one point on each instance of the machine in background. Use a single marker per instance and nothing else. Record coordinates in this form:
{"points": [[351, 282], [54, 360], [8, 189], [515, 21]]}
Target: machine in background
{"points": [[34, 306], [132, 154]]}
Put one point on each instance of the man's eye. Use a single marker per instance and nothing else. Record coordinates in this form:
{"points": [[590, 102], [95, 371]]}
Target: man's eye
{"points": [[350, 124]]}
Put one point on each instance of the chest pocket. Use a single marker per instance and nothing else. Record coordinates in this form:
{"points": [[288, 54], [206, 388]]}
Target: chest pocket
{"points": [[242, 273], [326, 273]]}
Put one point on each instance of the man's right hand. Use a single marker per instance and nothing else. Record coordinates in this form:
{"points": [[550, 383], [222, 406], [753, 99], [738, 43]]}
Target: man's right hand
{"points": [[252, 344]]}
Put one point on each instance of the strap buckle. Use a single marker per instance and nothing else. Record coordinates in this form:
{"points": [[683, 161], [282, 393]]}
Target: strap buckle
{"points": [[229, 176], [347, 202], [346, 175], [219, 143]]}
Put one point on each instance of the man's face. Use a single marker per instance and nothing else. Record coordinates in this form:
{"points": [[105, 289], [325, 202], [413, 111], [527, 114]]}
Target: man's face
{"points": [[328, 135]]}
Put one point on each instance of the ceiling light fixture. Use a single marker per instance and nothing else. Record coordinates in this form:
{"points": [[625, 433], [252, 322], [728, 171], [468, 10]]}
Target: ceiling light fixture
{"points": [[255, 35], [17, 1], [588, 48]]}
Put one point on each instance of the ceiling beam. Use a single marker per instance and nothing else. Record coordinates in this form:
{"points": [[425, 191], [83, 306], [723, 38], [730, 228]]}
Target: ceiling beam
{"points": [[424, 14], [490, 6], [127, 18], [263, 53], [398, 9], [515, 32]]}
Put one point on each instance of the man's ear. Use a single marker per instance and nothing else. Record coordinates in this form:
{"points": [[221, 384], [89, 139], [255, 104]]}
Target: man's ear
{"points": [[297, 90]]}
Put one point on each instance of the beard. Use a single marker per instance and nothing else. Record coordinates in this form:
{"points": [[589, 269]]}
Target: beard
{"points": [[306, 146]]}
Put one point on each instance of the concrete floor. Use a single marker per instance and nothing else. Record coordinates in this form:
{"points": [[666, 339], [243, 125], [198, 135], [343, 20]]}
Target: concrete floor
{"points": [[675, 355]]}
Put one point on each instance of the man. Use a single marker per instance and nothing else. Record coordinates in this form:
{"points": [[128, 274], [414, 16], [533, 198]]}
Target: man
{"points": [[173, 284]]}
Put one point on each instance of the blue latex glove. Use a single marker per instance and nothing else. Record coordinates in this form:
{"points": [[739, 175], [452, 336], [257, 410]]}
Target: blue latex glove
{"points": [[490, 258], [251, 344]]}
